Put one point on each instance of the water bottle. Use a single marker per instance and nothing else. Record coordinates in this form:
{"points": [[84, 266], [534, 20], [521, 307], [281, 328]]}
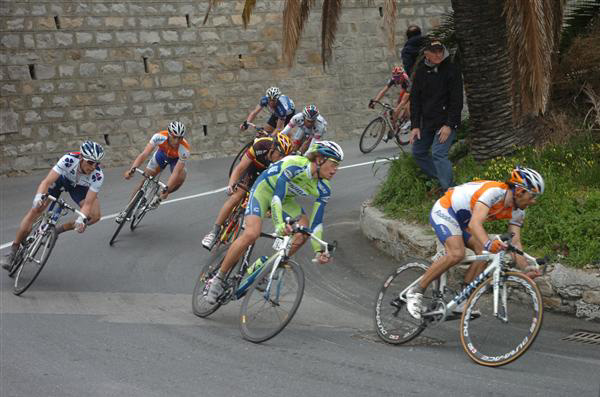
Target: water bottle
{"points": [[260, 262]]}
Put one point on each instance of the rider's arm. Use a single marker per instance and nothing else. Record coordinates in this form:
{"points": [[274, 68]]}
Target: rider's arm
{"points": [[381, 93], [279, 195], [480, 212], [253, 113], [316, 221], [143, 155], [90, 197], [516, 241], [239, 170], [47, 182]]}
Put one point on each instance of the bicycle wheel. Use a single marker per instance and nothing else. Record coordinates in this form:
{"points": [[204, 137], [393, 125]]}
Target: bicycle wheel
{"points": [[266, 313], [21, 252], [35, 258], [498, 340], [130, 207], [392, 321], [141, 209], [402, 135], [372, 135], [200, 307], [239, 156]]}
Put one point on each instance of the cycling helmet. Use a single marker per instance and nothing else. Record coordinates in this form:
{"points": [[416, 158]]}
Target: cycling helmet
{"points": [[328, 149], [176, 128], [397, 70], [273, 93], [310, 112], [283, 143], [528, 179], [91, 151]]}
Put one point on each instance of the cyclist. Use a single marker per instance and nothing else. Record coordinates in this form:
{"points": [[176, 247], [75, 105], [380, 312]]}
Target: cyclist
{"points": [[457, 219], [310, 124], [77, 173], [282, 109], [258, 157], [172, 149], [399, 79], [276, 188]]}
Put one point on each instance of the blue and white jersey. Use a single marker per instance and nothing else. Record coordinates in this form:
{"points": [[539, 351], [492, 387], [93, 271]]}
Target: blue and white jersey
{"points": [[68, 167], [318, 129], [284, 107]]}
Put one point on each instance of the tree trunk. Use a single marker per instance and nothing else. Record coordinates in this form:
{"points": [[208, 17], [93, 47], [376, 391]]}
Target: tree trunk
{"points": [[481, 34]]}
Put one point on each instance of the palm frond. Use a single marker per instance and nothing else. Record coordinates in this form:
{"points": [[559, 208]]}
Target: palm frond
{"points": [[211, 4], [332, 10], [531, 40], [248, 8], [389, 22]]}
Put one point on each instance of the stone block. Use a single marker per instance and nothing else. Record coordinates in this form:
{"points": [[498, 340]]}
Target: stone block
{"points": [[163, 95], [591, 297], [71, 22], [64, 39], [9, 121], [104, 37], [28, 41], [54, 114], [153, 109], [209, 36], [188, 36], [179, 107], [170, 81], [61, 101], [100, 54], [66, 70], [149, 37], [112, 68], [134, 67], [173, 66], [10, 40], [130, 82], [17, 24], [119, 8], [587, 310], [87, 69], [19, 73], [152, 22], [126, 37], [94, 22], [114, 22], [76, 114], [32, 116], [141, 96], [44, 72], [177, 22], [116, 111], [170, 36], [46, 87], [83, 37]]}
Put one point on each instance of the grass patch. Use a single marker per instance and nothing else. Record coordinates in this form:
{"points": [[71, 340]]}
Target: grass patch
{"points": [[565, 223]]}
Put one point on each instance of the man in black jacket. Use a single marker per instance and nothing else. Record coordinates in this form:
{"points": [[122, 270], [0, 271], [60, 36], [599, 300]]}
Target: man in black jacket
{"points": [[435, 106], [410, 51]]}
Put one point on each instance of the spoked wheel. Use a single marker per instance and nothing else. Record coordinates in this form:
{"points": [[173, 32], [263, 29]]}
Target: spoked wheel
{"points": [[403, 133], [22, 251], [372, 135], [267, 309], [35, 257], [239, 156], [200, 306], [498, 340], [142, 208], [393, 322], [128, 211]]}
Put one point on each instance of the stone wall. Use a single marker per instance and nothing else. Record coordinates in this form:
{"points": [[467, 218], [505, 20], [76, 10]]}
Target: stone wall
{"points": [[117, 71]]}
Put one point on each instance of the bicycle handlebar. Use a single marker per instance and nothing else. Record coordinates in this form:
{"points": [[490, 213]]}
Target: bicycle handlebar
{"points": [[152, 178], [259, 130], [507, 238], [385, 105], [63, 204]]}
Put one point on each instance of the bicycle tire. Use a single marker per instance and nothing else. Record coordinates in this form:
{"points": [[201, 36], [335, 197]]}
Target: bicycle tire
{"points": [[20, 254], [30, 270], [142, 208], [254, 325], [402, 137], [130, 207], [393, 323], [480, 335], [375, 129], [239, 156], [200, 307]]}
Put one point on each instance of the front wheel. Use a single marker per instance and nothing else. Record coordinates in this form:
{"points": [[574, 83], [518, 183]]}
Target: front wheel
{"points": [[239, 156], [128, 211], [393, 322], [200, 306], [268, 309], [151, 190], [495, 340], [35, 257], [372, 135]]}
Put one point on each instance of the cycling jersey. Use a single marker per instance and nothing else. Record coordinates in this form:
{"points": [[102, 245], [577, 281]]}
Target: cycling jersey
{"points": [[160, 140], [403, 83], [68, 168], [451, 214], [318, 129], [283, 108], [258, 154], [277, 188]]}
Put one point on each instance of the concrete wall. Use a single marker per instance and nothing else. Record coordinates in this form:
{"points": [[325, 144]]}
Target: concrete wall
{"points": [[118, 71]]}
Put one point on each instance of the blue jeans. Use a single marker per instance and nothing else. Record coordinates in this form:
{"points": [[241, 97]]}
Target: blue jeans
{"points": [[436, 164]]}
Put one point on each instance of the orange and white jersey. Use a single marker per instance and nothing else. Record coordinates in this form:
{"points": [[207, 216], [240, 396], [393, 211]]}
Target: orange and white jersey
{"points": [[462, 200], [160, 140]]}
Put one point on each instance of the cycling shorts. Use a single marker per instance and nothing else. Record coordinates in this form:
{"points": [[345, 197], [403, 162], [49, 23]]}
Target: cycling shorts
{"points": [[260, 198], [160, 160], [62, 184], [273, 120], [446, 223]]}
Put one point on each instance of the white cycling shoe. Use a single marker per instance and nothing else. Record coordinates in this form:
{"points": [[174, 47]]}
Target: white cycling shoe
{"points": [[414, 304]]}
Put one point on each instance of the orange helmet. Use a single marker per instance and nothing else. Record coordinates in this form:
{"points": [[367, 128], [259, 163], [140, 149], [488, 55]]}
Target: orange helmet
{"points": [[528, 179]]}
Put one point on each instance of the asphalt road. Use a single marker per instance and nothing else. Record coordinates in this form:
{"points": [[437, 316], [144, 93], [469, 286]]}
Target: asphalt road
{"points": [[104, 321]]}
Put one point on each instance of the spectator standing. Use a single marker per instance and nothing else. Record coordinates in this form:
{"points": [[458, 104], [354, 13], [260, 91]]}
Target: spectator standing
{"points": [[412, 47], [435, 107]]}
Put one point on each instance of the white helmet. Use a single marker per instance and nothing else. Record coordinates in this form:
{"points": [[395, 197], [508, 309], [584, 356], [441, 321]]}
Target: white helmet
{"points": [[176, 128], [91, 151], [273, 93], [328, 149], [528, 179]]}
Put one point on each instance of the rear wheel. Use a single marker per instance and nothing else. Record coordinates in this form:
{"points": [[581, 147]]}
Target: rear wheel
{"points": [[372, 135], [392, 321], [35, 257], [498, 340], [268, 310], [403, 133], [128, 211], [239, 156]]}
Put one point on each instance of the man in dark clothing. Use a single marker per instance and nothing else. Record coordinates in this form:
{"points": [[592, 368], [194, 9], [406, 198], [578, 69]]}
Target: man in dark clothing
{"points": [[411, 48], [435, 106]]}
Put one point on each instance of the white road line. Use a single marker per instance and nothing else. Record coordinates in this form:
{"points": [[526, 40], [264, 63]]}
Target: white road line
{"points": [[111, 216]]}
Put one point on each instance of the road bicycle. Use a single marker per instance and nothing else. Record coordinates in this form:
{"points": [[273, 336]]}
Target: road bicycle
{"points": [[142, 202], [260, 132], [500, 320], [271, 293], [381, 127], [34, 251], [232, 226]]}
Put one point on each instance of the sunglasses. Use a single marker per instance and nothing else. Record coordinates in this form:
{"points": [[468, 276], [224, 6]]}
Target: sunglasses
{"points": [[93, 163]]}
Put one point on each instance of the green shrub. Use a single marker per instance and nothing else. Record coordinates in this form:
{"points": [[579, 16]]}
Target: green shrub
{"points": [[566, 219]]}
